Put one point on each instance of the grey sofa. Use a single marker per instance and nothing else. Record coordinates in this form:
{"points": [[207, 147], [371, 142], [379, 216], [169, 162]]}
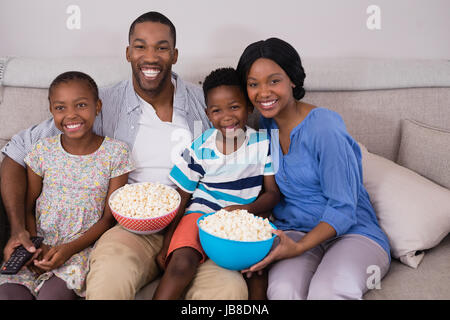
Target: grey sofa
{"points": [[373, 97]]}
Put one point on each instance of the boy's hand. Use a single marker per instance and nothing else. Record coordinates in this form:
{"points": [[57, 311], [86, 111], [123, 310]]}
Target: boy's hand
{"points": [[161, 258], [237, 207], [54, 258]]}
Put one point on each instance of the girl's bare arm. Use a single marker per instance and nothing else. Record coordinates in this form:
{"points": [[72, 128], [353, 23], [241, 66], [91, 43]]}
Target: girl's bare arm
{"points": [[56, 256]]}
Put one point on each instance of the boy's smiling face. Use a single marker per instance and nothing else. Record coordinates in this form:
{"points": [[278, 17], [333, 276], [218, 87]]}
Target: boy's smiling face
{"points": [[227, 110]]}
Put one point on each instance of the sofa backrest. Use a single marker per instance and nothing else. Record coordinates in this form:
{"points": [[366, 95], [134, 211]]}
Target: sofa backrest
{"points": [[371, 95], [373, 117]]}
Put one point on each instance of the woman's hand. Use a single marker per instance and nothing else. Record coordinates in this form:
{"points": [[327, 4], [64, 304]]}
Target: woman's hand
{"points": [[287, 248], [54, 258]]}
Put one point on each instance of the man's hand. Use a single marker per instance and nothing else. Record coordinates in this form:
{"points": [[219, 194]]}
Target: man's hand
{"points": [[17, 239], [13, 186]]}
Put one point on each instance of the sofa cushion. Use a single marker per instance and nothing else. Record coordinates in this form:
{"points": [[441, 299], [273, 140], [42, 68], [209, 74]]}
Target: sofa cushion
{"points": [[22, 108], [426, 150], [413, 211], [430, 281]]}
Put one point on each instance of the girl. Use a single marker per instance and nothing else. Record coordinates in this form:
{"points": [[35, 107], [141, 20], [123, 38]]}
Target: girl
{"points": [[70, 178], [333, 232]]}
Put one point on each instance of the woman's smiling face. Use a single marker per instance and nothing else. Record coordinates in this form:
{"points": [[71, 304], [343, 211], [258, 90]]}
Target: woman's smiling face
{"points": [[269, 88]]}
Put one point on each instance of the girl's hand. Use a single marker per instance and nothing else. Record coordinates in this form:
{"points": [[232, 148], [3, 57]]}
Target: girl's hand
{"points": [[29, 264], [41, 252], [287, 248], [54, 258]]}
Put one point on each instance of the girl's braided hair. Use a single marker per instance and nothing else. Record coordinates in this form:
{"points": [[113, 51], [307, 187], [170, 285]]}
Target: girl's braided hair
{"points": [[74, 75]]}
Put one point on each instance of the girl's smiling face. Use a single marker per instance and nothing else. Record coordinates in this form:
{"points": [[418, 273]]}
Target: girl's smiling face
{"points": [[269, 88], [74, 108]]}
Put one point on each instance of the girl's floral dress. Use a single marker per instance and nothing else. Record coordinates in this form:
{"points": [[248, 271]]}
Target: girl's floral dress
{"points": [[72, 200]]}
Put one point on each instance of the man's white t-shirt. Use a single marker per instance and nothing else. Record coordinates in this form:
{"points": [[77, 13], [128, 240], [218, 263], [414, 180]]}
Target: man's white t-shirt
{"points": [[158, 144]]}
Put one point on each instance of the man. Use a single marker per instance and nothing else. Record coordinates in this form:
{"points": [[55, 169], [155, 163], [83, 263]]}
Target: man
{"points": [[144, 112]]}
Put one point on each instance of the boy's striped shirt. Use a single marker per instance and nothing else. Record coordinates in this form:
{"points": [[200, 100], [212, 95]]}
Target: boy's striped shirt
{"points": [[217, 180]]}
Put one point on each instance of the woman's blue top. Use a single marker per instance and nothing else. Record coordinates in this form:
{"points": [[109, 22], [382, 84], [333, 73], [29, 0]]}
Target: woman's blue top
{"points": [[320, 178]]}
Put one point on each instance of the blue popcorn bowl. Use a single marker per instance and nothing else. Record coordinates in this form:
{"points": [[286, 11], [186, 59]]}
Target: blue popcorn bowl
{"points": [[233, 254]]}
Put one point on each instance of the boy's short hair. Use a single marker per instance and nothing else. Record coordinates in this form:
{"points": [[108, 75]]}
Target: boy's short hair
{"points": [[154, 16], [221, 77], [74, 75]]}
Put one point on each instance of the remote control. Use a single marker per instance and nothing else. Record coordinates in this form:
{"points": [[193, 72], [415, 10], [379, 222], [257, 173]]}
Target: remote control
{"points": [[19, 257]]}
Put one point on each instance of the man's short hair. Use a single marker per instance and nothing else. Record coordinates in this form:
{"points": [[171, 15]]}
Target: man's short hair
{"points": [[154, 16]]}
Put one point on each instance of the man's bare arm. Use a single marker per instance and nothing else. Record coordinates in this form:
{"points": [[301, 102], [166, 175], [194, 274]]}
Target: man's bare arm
{"points": [[13, 186]]}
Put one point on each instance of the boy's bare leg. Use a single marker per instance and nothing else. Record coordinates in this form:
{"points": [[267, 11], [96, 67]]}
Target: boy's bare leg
{"points": [[257, 286], [179, 273]]}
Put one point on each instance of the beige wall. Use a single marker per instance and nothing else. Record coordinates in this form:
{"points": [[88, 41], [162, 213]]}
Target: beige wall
{"points": [[213, 28]]}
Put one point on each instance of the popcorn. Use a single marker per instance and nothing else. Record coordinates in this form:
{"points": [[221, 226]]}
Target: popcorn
{"points": [[145, 200], [237, 225]]}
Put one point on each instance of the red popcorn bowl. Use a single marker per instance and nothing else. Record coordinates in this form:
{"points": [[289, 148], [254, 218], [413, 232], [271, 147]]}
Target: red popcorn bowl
{"points": [[144, 225]]}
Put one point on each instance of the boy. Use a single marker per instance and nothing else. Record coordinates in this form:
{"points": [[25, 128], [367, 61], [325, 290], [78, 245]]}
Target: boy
{"points": [[226, 167]]}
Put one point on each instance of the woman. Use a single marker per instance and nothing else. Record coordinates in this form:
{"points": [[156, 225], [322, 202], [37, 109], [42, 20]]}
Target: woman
{"points": [[330, 235]]}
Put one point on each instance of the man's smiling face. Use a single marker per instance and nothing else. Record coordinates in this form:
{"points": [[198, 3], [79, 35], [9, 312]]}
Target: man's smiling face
{"points": [[151, 53]]}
